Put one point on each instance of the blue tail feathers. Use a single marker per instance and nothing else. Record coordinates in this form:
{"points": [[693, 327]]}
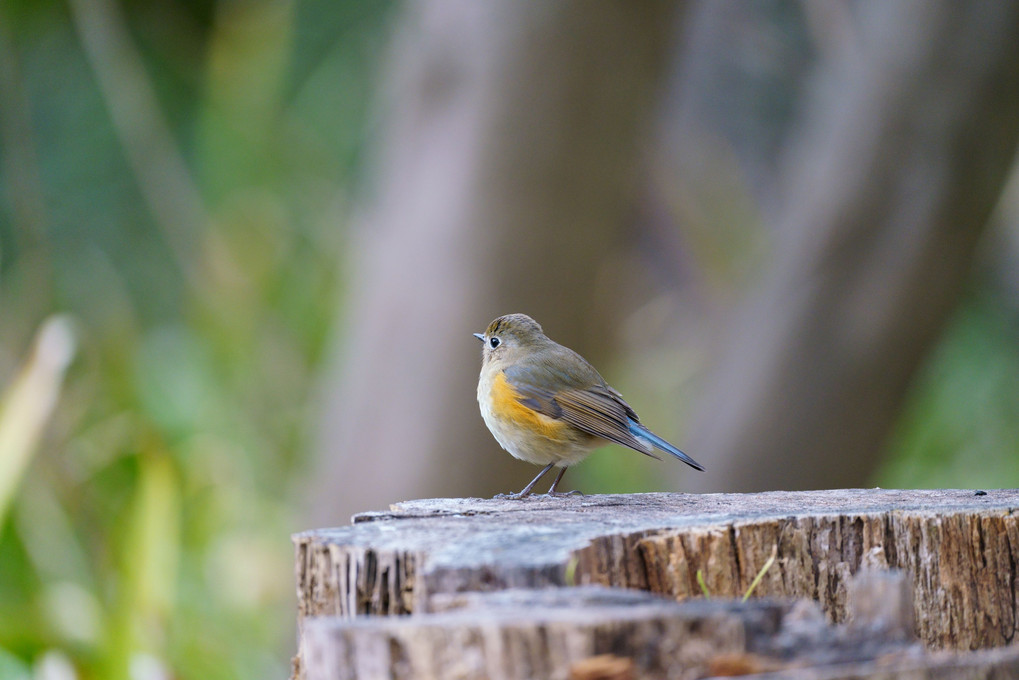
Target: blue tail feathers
{"points": [[638, 430]]}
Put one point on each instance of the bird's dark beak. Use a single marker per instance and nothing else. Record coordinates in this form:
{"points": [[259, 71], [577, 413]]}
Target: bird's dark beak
{"points": [[480, 336]]}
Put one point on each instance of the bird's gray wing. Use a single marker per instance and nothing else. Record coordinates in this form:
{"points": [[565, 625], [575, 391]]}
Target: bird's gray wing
{"points": [[596, 409]]}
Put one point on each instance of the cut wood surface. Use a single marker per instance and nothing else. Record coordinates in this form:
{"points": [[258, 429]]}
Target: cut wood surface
{"points": [[956, 550], [596, 633], [587, 632]]}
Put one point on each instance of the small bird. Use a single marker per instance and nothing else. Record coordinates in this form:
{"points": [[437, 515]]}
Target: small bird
{"points": [[545, 404]]}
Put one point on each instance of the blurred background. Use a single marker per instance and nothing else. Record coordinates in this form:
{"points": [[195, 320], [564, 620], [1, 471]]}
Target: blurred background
{"points": [[243, 247]]}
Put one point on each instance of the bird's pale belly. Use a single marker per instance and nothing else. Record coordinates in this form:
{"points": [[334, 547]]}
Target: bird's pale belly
{"points": [[527, 434]]}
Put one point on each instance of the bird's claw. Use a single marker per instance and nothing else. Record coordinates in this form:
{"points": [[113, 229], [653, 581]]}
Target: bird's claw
{"points": [[511, 496]]}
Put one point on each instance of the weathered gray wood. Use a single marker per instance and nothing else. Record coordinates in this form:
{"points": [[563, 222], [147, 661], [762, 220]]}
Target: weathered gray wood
{"points": [[502, 589], [523, 637], [959, 550], [597, 633], [994, 664], [591, 632]]}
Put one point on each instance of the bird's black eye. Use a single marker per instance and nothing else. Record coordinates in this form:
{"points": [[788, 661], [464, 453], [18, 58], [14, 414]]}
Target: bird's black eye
{"points": [[494, 342]]}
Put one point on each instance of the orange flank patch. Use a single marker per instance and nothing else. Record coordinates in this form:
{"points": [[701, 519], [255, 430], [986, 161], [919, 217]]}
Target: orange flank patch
{"points": [[506, 407]]}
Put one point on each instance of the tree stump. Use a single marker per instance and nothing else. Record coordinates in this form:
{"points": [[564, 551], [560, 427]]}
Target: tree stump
{"points": [[895, 583]]}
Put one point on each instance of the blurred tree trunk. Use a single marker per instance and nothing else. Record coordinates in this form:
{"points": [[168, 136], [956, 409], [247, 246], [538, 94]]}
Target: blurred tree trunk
{"points": [[508, 163], [904, 153]]}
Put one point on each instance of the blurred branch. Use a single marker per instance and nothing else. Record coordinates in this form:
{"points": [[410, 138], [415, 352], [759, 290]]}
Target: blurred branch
{"points": [[163, 177], [28, 402], [888, 191], [833, 32], [507, 169]]}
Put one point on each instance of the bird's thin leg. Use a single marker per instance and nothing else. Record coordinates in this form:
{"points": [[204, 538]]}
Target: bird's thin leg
{"points": [[526, 491], [552, 489]]}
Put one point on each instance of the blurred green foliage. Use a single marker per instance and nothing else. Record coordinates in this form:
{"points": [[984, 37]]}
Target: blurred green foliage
{"points": [[960, 427], [148, 537]]}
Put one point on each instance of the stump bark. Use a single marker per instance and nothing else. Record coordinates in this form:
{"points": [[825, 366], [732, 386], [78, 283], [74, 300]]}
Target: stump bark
{"points": [[546, 587]]}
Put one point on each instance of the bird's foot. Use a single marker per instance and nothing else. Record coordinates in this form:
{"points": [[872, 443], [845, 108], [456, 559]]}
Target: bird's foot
{"points": [[511, 496], [560, 494]]}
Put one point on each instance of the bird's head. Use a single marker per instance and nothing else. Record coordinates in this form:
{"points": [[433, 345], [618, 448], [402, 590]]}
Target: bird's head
{"points": [[509, 337]]}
